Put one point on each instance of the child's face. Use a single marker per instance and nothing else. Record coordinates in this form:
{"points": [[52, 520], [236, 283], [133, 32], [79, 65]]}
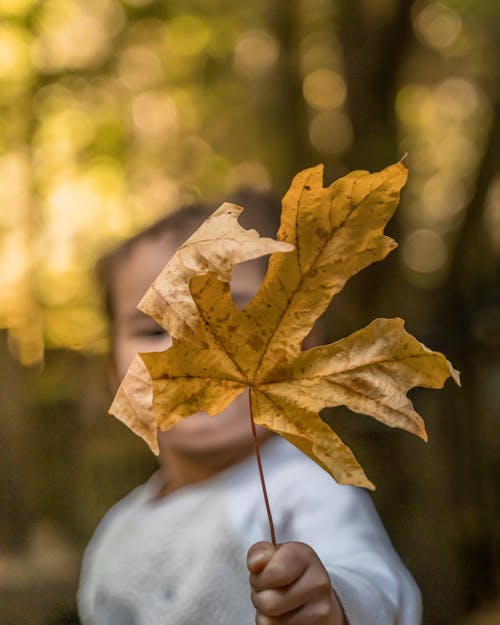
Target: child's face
{"points": [[135, 332]]}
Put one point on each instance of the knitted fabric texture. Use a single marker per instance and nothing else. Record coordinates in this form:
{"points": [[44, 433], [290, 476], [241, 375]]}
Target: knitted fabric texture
{"points": [[149, 575]]}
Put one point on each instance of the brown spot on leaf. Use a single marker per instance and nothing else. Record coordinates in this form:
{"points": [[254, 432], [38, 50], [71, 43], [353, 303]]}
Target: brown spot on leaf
{"points": [[255, 342], [322, 233]]}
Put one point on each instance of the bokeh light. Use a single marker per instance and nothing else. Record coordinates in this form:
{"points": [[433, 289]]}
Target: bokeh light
{"points": [[330, 132], [444, 126], [75, 33], [15, 54], [187, 35], [324, 89], [139, 67], [438, 25], [256, 53], [155, 116], [424, 251]]}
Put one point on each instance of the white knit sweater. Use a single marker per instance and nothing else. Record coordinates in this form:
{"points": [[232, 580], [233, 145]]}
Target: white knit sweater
{"points": [[181, 560]]}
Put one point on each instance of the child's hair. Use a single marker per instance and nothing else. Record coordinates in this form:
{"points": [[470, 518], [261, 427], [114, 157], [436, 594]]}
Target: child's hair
{"points": [[261, 212], [181, 222]]}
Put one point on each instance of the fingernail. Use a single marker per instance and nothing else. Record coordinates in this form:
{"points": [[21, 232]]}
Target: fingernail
{"points": [[255, 558]]}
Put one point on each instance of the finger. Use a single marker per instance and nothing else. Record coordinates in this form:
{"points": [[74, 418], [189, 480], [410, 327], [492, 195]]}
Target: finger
{"points": [[259, 556], [306, 615], [275, 602], [286, 566], [313, 586], [262, 619]]}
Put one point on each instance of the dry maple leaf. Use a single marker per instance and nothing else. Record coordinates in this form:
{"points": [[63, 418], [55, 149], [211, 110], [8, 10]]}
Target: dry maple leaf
{"points": [[326, 236]]}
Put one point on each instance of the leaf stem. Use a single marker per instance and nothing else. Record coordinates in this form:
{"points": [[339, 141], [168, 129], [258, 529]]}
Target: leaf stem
{"points": [[261, 473]]}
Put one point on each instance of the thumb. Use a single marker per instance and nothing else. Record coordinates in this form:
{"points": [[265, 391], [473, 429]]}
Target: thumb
{"points": [[259, 555]]}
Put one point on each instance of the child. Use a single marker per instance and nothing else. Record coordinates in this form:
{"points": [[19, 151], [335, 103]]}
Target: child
{"points": [[176, 551]]}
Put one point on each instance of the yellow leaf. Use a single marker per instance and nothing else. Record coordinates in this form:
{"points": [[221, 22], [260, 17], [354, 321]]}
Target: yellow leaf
{"points": [[326, 236], [336, 231], [217, 245]]}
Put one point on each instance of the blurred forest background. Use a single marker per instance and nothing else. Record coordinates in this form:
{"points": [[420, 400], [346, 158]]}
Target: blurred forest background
{"points": [[112, 113]]}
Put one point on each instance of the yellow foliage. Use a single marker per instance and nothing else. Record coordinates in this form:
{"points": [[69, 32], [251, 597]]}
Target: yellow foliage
{"points": [[326, 236]]}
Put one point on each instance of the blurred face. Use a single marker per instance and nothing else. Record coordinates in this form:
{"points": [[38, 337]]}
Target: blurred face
{"points": [[199, 434], [133, 331]]}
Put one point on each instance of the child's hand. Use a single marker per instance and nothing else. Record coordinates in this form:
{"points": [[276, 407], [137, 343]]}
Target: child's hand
{"points": [[290, 586]]}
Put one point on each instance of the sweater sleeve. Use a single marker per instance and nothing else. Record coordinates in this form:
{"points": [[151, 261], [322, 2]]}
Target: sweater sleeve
{"points": [[341, 524]]}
